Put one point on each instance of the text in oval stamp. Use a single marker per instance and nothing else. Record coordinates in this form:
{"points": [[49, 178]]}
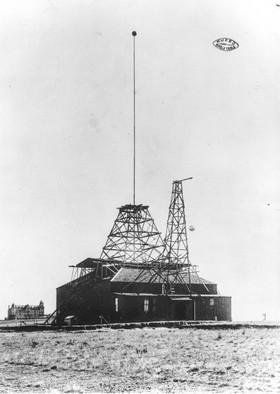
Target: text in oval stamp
{"points": [[225, 44]]}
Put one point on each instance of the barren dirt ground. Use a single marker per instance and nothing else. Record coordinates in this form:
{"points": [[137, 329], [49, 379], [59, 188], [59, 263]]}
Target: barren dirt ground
{"points": [[161, 359]]}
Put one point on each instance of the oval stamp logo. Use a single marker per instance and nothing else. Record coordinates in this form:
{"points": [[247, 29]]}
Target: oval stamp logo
{"points": [[225, 44]]}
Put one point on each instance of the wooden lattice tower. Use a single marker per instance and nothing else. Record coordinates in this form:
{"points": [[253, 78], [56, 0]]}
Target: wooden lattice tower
{"points": [[134, 237], [176, 241], [176, 265]]}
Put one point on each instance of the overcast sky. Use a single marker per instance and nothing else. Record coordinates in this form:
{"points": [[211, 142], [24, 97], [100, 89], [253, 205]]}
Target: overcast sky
{"points": [[66, 127]]}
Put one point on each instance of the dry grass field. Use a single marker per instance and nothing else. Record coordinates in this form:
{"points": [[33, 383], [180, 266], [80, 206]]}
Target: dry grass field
{"points": [[142, 360]]}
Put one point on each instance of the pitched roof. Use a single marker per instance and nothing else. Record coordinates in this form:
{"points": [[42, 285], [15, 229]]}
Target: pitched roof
{"points": [[145, 275]]}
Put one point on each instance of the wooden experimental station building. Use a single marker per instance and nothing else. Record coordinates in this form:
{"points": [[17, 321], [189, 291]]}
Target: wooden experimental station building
{"points": [[141, 277]]}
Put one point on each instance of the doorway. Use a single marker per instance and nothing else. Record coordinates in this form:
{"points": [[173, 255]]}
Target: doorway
{"points": [[184, 310]]}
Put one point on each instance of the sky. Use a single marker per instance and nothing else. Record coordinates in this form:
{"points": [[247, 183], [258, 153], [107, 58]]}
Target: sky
{"points": [[66, 138]]}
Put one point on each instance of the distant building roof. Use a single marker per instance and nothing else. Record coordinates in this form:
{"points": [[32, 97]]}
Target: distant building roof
{"points": [[140, 275]]}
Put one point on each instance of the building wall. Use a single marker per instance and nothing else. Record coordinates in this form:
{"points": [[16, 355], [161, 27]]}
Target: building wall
{"points": [[154, 308], [92, 302], [141, 308], [159, 288], [213, 308], [87, 301]]}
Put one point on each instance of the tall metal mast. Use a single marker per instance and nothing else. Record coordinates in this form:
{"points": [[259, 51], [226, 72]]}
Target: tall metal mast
{"points": [[134, 129], [134, 238]]}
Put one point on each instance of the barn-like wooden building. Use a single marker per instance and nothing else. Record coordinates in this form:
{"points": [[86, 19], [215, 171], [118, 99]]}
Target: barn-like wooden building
{"points": [[135, 294], [141, 277]]}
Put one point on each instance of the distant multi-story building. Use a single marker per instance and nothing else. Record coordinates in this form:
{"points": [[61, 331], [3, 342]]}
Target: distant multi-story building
{"points": [[18, 312]]}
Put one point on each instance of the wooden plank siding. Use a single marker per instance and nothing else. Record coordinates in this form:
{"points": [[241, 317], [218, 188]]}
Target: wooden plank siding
{"points": [[94, 301]]}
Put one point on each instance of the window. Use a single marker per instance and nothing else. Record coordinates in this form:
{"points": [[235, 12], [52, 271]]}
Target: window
{"points": [[154, 305], [116, 304], [212, 301], [146, 305]]}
